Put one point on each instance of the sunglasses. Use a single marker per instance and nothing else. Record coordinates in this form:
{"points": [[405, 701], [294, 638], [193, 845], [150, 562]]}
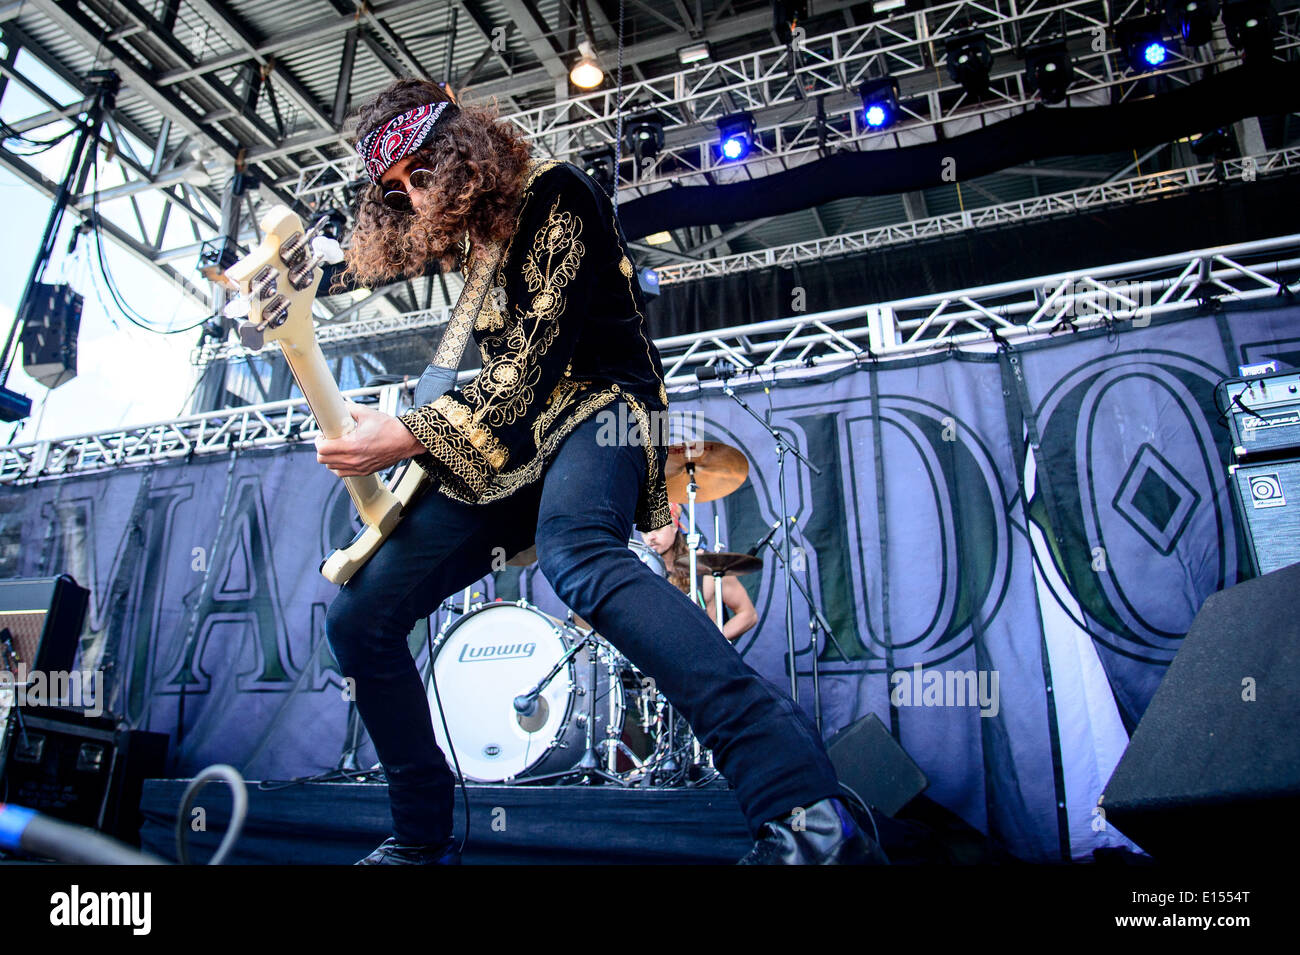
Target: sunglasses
{"points": [[397, 198]]}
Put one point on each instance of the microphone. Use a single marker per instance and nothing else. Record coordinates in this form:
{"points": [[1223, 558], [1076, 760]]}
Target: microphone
{"points": [[753, 551], [526, 703], [27, 831], [723, 369]]}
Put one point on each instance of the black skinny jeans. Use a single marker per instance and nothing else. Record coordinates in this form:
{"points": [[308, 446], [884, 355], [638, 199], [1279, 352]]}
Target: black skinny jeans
{"points": [[580, 514]]}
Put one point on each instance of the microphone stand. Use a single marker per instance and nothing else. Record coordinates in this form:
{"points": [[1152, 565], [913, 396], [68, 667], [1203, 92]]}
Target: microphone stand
{"points": [[815, 621], [588, 768], [781, 448]]}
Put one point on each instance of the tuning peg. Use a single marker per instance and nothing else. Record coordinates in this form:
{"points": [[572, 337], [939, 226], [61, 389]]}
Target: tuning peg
{"points": [[251, 336], [237, 307], [328, 249]]}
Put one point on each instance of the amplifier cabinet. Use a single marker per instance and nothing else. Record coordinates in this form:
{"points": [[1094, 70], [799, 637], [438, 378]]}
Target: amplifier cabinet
{"points": [[1263, 413], [44, 616], [1267, 497], [83, 770]]}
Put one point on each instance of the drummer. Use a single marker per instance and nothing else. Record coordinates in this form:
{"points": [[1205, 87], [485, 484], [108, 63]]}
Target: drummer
{"points": [[670, 543]]}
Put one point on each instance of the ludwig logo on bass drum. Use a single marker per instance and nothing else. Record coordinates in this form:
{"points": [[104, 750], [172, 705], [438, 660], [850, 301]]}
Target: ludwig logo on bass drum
{"points": [[499, 651]]}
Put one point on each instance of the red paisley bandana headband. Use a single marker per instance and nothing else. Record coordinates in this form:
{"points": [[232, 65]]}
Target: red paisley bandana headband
{"points": [[387, 145]]}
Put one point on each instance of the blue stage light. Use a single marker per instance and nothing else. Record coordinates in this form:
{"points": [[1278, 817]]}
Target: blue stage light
{"points": [[735, 147], [879, 102], [1143, 41], [648, 279], [735, 136], [1155, 53]]}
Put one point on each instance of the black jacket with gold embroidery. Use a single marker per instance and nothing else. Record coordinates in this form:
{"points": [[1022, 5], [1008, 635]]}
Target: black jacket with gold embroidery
{"points": [[562, 335]]}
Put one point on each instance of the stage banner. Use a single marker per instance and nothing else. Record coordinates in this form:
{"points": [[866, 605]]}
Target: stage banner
{"points": [[1007, 546]]}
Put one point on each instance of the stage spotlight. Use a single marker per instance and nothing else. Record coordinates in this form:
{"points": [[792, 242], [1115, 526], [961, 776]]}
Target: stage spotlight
{"points": [[598, 163], [215, 256], [1251, 26], [336, 221], [14, 406], [648, 279], [695, 53], [1143, 42], [969, 61], [879, 102], [645, 135], [213, 329], [1195, 19], [586, 73], [735, 136], [1216, 144], [1048, 69]]}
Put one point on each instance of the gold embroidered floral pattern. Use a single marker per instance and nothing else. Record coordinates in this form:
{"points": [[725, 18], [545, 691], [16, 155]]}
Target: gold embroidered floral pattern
{"points": [[506, 483], [504, 390], [462, 418], [525, 401], [561, 398]]}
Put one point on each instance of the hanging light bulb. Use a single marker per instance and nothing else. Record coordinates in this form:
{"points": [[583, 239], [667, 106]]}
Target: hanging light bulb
{"points": [[586, 72]]}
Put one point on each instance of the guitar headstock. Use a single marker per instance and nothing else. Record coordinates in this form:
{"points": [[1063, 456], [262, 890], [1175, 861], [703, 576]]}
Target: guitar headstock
{"points": [[277, 281]]}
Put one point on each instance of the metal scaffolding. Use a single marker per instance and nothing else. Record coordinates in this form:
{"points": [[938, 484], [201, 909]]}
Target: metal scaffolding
{"points": [[211, 87], [1129, 292]]}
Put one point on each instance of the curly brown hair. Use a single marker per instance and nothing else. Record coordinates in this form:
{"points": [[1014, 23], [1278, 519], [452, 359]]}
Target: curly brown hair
{"points": [[479, 165], [681, 579]]}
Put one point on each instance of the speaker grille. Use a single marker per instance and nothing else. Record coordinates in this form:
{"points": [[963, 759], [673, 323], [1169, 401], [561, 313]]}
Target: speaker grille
{"points": [[25, 627]]}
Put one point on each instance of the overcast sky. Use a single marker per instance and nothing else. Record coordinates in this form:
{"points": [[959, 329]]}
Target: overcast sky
{"points": [[125, 374]]}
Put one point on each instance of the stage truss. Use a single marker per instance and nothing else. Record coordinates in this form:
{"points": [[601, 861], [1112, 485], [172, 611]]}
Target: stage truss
{"points": [[1129, 292], [783, 85], [211, 85]]}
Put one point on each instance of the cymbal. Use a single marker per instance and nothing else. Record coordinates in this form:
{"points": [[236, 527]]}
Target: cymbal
{"points": [[724, 562], [719, 470]]}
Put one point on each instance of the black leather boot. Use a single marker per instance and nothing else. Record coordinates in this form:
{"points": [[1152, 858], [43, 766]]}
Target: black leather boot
{"points": [[392, 852], [825, 833]]}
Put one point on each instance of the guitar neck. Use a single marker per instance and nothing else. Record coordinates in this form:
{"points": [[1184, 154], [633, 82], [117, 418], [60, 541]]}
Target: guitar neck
{"points": [[316, 381], [328, 407]]}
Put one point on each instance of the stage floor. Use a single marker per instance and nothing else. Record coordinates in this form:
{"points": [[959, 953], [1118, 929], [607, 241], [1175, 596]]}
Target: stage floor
{"points": [[339, 823]]}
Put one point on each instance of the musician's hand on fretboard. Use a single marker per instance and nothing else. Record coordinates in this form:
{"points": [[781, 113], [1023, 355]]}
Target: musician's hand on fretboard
{"points": [[377, 442]]}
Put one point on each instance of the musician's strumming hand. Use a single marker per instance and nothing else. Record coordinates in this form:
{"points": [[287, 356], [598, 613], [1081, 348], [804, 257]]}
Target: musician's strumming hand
{"points": [[377, 442]]}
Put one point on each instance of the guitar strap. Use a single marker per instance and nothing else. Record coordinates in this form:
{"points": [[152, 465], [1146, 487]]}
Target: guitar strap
{"points": [[482, 272]]}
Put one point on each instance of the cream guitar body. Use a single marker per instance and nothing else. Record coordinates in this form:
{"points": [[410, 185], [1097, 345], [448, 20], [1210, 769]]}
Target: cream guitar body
{"points": [[277, 283]]}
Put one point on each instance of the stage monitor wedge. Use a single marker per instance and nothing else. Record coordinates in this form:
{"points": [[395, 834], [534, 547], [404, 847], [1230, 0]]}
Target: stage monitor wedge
{"points": [[870, 761], [1212, 773]]}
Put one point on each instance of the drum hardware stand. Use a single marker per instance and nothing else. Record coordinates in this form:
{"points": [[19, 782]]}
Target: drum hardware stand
{"points": [[589, 766], [781, 448], [815, 622], [717, 574], [351, 740], [692, 535]]}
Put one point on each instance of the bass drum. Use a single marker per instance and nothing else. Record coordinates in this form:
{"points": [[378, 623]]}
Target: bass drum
{"points": [[499, 651]]}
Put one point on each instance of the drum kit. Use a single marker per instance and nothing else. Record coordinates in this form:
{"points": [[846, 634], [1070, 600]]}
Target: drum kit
{"points": [[528, 698]]}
